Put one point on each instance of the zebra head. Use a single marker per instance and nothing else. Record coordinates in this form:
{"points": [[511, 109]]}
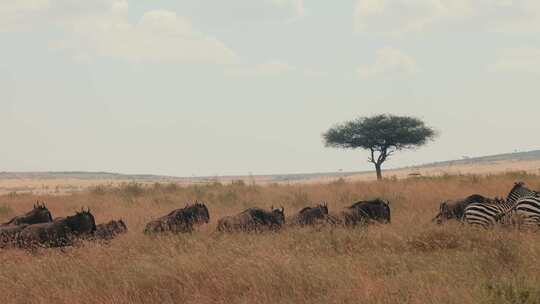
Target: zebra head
{"points": [[518, 191]]}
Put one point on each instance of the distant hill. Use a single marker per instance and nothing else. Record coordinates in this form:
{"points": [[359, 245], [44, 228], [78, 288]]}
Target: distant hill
{"points": [[518, 156], [100, 176], [81, 175]]}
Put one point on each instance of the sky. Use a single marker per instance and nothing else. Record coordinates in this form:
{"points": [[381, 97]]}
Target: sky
{"points": [[200, 87]]}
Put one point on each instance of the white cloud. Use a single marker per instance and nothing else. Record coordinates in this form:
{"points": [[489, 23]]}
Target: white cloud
{"points": [[524, 59], [102, 28], [160, 36], [389, 61], [402, 16]]}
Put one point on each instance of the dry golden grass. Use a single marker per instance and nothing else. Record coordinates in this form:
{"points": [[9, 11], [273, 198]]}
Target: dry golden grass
{"points": [[408, 261]]}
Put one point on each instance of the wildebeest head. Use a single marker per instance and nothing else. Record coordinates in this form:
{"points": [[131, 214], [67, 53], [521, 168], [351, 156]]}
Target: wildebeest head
{"points": [[323, 207], [444, 213], [39, 214], [279, 214], [310, 215], [122, 225], [82, 222], [198, 212], [385, 215]]}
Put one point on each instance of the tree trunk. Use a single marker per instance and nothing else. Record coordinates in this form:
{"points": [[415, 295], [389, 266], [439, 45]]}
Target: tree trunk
{"points": [[379, 171]]}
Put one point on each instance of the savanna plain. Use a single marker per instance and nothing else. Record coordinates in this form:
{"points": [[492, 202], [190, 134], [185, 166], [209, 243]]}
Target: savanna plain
{"points": [[411, 260]]}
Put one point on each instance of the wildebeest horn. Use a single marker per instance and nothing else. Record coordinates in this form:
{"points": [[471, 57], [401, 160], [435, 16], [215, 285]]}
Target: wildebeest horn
{"points": [[282, 209]]}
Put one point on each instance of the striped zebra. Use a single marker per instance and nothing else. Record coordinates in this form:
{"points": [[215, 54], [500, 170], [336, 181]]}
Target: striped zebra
{"points": [[527, 212], [519, 191], [527, 206], [487, 214], [502, 211]]}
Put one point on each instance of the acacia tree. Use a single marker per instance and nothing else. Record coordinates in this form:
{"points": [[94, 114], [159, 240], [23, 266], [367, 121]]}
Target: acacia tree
{"points": [[382, 135]]}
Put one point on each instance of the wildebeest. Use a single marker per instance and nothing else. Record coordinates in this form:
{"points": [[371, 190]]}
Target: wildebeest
{"points": [[253, 219], [59, 232], [39, 214], [311, 215], [350, 217], [180, 220], [377, 210], [454, 209], [108, 231], [10, 234]]}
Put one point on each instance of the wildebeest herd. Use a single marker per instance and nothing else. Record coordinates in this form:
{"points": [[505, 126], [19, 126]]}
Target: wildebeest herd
{"points": [[37, 228]]}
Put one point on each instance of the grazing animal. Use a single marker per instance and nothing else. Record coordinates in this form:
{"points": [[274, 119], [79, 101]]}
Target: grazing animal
{"points": [[454, 209], [180, 220], [253, 219], [110, 230], [10, 234], [39, 214], [527, 206], [527, 211], [519, 191], [60, 232], [351, 217], [486, 215], [377, 210], [311, 215]]}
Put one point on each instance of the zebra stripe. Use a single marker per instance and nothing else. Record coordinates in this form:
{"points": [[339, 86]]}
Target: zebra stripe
{"points": [[518, 191], [527, 210], [486, 215]]}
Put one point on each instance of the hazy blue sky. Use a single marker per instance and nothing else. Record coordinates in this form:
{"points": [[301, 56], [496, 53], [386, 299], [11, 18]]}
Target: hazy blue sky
{"points": [[230, 87]]}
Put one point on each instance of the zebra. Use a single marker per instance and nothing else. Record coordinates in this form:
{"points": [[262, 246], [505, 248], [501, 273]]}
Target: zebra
{"points": [[519, 191], [486, 215], [527, 206], [502, 211], [527, 210]]}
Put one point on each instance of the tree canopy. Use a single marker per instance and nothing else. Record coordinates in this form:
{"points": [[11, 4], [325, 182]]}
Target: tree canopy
{"points": [[382, 135]]}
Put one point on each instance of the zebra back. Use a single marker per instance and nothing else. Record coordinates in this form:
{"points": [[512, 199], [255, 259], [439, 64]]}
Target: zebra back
{"points": [[528, 212], [487, 214], [518, 191]]}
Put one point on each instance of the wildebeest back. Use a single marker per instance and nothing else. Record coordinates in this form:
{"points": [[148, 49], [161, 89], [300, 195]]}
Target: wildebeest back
{"points": [[377, 209], [39, 214]]}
